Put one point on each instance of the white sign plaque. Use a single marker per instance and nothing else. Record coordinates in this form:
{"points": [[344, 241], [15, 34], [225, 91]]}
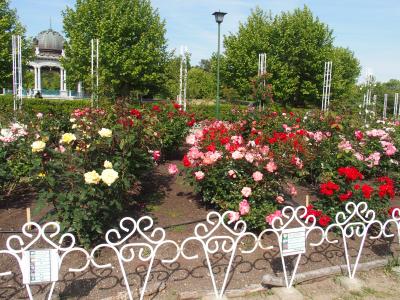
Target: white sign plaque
{"points": [[293, 241], [40, 266]]}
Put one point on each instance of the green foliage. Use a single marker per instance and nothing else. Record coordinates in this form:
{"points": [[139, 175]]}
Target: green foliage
{"points": [[46, 106], [132, 45], [201, 84], [239, 63], [297, 44], [10, 25], [345, 70]]}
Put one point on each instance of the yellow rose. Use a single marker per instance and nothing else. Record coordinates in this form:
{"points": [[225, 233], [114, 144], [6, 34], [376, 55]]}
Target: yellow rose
{"points": [[42, 174], [38, 146], [67, 138], [109, 176], [104, 132], [92, 177], [108, 165]]}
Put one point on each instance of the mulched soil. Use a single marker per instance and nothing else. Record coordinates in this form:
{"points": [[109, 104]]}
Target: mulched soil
{"points": [[175, 207]]}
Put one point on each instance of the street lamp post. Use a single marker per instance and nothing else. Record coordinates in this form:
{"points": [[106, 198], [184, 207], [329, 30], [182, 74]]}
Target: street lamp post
{"points": [[219, 17]]}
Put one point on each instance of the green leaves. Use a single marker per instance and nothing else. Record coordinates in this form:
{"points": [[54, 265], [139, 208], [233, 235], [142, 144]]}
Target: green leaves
{"points": [[132, 45]]}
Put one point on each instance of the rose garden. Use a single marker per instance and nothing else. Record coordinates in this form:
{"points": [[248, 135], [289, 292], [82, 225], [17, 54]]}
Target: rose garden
{"points": [[164, 199]]}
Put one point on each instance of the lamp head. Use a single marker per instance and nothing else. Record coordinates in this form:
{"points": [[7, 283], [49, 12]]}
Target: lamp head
{"points": [[219, 16]]}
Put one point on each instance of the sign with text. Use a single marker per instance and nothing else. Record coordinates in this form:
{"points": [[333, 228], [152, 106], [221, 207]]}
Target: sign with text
{"points": [[40, 266], [293, 241]]}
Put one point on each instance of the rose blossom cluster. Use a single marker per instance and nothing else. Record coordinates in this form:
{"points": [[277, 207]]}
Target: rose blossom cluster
{"points": [[11, 134], [372, 159]]}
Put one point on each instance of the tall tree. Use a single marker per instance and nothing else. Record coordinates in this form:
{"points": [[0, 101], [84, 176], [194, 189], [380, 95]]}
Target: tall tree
{"points": [[345, 71], [9, 25], [133, 46], [201, 84], [240, 60], [300, 44]]}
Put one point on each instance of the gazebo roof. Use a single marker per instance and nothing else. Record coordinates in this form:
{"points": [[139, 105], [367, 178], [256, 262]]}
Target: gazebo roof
{"points": [[49, 41]]}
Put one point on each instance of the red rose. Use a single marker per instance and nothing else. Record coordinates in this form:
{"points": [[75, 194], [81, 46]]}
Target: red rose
{"points": [[177, 106], [191, 122], [328, 188], [346, 196], [186, 161], [155, 108], [351, 173], [224, 140], [390, 211], [136, 113], [211, 147], [386, 189], [324, 220], [367, 191]]}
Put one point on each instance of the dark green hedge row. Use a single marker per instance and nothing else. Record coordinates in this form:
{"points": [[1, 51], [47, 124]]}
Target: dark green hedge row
{"points": [[46, 106]]}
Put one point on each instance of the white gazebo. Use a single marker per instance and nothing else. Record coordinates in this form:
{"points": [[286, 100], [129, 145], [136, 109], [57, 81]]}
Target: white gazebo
{"points": [[49, 49]]}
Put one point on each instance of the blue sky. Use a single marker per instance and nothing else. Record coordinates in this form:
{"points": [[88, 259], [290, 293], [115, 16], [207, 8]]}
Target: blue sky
{"points": [[371, 28]]}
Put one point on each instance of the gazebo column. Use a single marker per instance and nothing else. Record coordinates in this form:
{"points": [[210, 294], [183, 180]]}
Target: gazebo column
{"points": [[36, 81], [65, 79], [62, 80], [39, 79], [80, 89]]}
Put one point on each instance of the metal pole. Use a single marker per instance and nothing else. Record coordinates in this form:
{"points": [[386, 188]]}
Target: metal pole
{"points": [[385, 105], [97, 73], [181, 78], [217, 106], [92, 72]]}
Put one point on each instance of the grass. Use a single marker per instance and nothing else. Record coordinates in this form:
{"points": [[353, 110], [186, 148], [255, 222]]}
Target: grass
{"points": [[178, 228], [394, 262]]}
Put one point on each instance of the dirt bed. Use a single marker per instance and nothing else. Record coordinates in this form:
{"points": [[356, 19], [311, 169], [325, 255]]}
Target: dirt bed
{"points": [[174, 206]]}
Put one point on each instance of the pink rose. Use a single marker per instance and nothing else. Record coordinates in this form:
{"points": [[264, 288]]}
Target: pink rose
{"points": [[237, 155], [156, 155], [191, 139], [345, 146], [39, 115], [270, 218], [359, 156], [271, 166], [293, 190], [199, 175], [60, 149], [246, 192], [232, 173], [172, 169], [279, 199], [233, 216], [244, 207], [258, 176], [249, 157]]}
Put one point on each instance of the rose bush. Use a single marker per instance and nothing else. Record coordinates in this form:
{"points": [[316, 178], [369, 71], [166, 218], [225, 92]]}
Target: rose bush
{"points": [[349, 185]]}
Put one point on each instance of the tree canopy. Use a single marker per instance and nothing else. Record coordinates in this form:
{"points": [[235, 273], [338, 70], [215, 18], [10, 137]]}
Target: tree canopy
{"points": [[133, 46], [10, 25], [297, 44]]}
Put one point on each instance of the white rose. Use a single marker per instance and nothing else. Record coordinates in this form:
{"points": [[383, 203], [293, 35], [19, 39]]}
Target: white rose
{"points": [[108, 165], [92, 177], [74, 126], [72, 120], [104, 132], [109, 176], [38, 146]]}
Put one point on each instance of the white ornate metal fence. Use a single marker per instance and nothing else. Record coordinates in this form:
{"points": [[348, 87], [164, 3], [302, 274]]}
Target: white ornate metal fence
{"points": [[292, 232]]}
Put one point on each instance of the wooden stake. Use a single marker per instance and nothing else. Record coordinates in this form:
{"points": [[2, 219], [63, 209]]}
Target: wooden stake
{"points": [[28, 216], [307, 200]]}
